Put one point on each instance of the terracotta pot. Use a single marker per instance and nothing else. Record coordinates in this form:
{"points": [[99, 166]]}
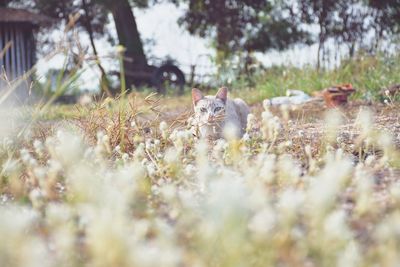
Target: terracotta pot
{"points": [[337, 95]]}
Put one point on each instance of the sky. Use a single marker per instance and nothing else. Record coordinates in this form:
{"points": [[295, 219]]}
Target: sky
{"points": [[159, 23]]}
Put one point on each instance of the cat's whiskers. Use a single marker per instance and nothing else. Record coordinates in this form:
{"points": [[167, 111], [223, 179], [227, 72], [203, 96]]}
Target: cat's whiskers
{"points": [[220, 117]]}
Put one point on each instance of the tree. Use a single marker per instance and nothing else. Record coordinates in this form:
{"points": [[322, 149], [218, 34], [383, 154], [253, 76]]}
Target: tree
{"points": [[354, 23], [129, 37], [351, 25], [235, 25], [4, 3], [93, 20], [279, 29], [386, 18], [320, 13], [224, 21]]}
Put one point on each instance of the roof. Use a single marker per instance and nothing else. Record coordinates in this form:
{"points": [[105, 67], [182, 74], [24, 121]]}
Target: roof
{"points": [[22, 16]]}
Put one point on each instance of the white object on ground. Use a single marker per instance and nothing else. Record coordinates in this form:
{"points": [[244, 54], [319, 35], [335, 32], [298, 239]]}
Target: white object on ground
{"points": [[293, 97], [85, 99]]}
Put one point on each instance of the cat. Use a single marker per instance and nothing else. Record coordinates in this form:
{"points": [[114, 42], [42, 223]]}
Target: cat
{"points": [[213, 113]]}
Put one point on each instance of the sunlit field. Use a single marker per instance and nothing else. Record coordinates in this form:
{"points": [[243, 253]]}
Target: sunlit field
{"points": [[126, 183], [103, 104]]}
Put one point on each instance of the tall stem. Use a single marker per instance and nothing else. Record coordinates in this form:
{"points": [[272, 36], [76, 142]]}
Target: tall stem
{"points": [[104, 83]]}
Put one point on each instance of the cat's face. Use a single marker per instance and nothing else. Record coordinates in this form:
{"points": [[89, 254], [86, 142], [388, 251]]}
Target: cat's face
{"points": [[209, 110]]}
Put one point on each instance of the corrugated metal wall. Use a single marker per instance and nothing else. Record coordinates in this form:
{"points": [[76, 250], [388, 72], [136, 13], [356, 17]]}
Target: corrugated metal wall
{"points": [[20, 56]]}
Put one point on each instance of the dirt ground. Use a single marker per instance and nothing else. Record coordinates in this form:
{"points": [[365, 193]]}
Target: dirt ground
{"points": [[307, 121]]}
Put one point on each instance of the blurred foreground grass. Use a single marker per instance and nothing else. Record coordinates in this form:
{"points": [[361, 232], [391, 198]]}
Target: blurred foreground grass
{"points": [[120, 186], [125, 183]]}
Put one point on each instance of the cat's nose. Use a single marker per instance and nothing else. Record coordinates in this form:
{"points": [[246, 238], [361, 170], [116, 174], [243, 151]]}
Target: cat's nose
{"points": [[210, 118]]}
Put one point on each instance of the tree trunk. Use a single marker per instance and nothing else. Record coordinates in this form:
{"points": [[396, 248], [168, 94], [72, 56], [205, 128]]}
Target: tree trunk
{"points": [[352, 49], [128, 35], [320, 45], [221, 46], [4, 3]]}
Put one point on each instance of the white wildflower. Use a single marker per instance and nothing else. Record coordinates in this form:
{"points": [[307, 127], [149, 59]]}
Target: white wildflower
{"points": [[333, 120], [171, 156], [139, 152], [189, 170], [231, 132], [38, 146], [118, 149], [151, 169], [327, 185], [335, 226], [10, 166], [290, 202], [263, 222], [351, 256], [163, 129], [267, 171]]}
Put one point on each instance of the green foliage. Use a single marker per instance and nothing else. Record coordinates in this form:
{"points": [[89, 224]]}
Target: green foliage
{"points": [[368, 74], [388, 15], [238, 26], [254, 25], [276, 33], [58, 82], [61, 10], [355, 23]]}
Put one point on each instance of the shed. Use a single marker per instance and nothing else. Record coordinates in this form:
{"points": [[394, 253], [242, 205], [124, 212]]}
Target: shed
{"points": [[17, 44]]}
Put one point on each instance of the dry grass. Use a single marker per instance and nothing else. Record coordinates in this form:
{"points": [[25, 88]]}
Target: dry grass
{"points": [[124, 183]]}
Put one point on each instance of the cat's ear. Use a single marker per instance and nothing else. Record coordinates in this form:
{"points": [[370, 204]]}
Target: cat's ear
{"points": [[222, 94], [196, 95]]}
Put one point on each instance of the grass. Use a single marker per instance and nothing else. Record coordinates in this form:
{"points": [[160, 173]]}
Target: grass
{"points": [[103, 191], [368, 74], [124, 182]]}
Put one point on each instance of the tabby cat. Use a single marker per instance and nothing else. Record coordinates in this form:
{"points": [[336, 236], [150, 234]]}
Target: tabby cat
{"points": [[213, 113]]}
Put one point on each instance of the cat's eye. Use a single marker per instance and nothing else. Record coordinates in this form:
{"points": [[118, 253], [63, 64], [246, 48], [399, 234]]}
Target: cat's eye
{"points": [[217, 109], [203, 110]]}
